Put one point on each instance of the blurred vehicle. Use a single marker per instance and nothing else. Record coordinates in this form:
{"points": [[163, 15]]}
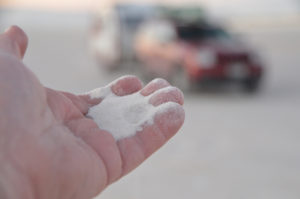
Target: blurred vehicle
{"points": [[113, 32], [188, 50], [105, 40]]}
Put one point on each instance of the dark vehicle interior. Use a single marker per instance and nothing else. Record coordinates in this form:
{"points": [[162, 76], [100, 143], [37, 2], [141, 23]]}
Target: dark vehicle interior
{"points": [[192, 32]]}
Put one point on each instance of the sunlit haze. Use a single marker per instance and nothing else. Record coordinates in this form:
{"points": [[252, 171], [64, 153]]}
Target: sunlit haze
{"points": [[229, 7]]}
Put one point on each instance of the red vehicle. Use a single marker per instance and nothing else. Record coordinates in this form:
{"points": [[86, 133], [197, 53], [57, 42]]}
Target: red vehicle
{"points": [[187, 54], [212, 54]]}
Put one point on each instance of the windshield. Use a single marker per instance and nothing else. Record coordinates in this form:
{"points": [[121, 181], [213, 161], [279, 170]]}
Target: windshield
{"points": [[200, 33]]}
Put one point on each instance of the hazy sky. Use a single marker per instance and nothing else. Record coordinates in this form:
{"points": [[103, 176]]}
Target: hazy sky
{"points": [[221, 7]]}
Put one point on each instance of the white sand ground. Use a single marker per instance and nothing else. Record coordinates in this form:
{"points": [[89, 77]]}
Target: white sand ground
{"points": [[232, 145]]}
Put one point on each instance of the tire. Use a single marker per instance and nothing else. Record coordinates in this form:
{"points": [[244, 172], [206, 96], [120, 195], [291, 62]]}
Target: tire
{"points": [[251, 85]]}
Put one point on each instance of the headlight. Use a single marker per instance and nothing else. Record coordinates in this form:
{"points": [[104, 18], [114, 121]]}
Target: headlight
{"points": [[206, 58]]}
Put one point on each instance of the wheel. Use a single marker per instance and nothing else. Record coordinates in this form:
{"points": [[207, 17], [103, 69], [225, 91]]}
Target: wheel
{"points": [[251, 85]]}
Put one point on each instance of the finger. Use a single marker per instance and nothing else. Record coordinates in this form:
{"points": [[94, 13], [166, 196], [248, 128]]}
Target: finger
{"points": [[167, 94], [61, 106], [123, 86], [134, 150], [14, 41], [126, 85], [153, 86], [78, 102], [89, 101]]}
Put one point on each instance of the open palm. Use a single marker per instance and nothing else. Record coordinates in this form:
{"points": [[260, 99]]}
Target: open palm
{"points": [[51, 149]]}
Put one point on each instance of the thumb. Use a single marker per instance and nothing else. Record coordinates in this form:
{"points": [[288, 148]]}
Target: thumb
{"points": [[14, 41]]}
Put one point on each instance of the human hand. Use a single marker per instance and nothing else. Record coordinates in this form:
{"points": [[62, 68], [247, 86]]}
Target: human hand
{"points": [[49, 148]]}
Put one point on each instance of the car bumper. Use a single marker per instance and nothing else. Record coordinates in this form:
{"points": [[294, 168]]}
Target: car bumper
{"points": [[230, 72]]}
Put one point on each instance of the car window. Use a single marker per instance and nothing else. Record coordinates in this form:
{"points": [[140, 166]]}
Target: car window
{"points": [[200, 33]]}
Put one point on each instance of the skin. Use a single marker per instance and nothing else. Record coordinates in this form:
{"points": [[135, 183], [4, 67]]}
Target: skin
{"points": [[50, 149]]}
